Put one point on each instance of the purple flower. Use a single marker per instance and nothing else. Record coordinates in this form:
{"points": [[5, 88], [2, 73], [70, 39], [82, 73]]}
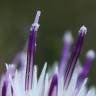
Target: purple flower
{"points": [[67, 78]]}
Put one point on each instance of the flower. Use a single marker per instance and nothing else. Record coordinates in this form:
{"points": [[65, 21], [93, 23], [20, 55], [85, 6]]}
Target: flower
{"points": [[66, 79]]}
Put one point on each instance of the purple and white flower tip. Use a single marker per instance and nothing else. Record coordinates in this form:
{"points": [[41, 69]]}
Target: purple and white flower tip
{"points": [[68, 79], [83, 29]]}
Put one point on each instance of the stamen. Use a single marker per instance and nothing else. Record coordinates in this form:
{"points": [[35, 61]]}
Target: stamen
{"points": [[31, 52], [87, 66], [37, 17], [74, 56]]}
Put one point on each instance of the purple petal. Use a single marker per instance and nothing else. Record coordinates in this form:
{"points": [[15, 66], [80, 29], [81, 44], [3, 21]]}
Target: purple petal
{"points": [[31, 52], [86, 69], [4, 89], [54, 83], [68, 40], [74, 56]]}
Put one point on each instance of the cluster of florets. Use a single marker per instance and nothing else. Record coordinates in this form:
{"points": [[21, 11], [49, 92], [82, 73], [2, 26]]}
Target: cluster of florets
{"points": [[67, 78]]}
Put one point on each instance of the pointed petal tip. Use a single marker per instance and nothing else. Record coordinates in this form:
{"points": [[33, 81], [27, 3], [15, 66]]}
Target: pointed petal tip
{"points": [[91, 54], [83, 29], [68, 37], [45, 63], [6, 65]]}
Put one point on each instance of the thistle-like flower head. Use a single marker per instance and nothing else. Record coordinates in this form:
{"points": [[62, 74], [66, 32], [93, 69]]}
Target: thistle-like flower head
{"points": [[67, 78]]}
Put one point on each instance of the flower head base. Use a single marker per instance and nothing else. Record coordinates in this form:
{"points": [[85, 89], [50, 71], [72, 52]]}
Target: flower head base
{"points": [[68, 79]]}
